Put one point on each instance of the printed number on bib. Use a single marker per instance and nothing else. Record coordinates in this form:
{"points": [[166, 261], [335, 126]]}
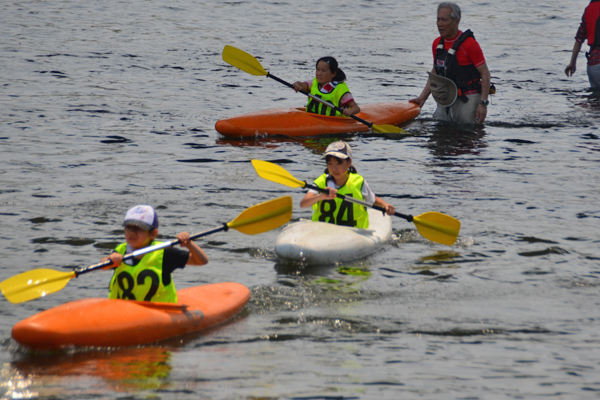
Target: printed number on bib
{"points": [[127, 286], [344, 217]]}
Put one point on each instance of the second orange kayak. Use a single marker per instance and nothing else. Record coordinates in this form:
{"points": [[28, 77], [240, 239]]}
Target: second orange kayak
{"points": [[297, 122]]}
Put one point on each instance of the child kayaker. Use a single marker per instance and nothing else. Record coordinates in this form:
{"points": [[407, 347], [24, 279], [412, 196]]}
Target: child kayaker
{"points": [[148, 277], [341, 177], [329, 84]]}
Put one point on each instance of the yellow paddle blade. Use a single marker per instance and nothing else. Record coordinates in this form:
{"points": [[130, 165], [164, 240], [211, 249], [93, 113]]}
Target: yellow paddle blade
{"points": [[388, 129], [438, 227], [264, 216], [33, 284], [275, 173], [244, 61]]}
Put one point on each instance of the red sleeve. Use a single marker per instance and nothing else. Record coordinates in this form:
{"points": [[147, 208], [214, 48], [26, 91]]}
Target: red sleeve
{"points": [[435, 45], [470, 53]]}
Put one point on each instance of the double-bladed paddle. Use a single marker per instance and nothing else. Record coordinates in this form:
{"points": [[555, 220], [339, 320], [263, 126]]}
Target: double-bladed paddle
{"points": [[248, 63], [435, 226], [40, 282]]}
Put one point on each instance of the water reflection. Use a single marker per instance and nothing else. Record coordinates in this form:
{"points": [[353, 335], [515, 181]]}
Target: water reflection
{"points": [[588, 101], [440, 259], [123, 370], [316, 144], [339, 276], [450, 140], [445, 140]]}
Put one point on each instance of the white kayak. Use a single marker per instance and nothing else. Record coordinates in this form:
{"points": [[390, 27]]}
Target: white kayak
{"points": [[323, 243]]}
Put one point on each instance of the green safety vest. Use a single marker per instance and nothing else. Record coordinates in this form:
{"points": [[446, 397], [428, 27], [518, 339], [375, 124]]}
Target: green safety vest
{"points": [[143, 282], [334, 98], [341, 212]]}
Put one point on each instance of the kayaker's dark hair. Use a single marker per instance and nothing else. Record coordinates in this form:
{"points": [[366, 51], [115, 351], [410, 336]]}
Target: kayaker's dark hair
{"points": [[339, 161], [340, 76]]}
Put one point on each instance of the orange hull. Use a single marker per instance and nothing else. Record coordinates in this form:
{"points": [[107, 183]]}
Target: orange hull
{"points": [[297, 122], [111, 323]]}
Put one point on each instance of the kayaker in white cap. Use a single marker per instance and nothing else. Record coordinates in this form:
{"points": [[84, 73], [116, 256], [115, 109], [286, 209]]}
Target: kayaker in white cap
{"points": [[341, 177], [329, 85], [148, 278]]}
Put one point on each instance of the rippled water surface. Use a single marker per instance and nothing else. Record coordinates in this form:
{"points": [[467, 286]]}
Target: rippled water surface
{"points": [[107, 104]]}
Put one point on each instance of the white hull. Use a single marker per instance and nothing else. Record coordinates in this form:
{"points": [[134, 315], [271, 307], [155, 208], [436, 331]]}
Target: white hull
{"points": [[323, 243]]}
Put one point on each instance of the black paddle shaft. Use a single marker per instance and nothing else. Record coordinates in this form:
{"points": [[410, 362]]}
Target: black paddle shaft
{"points": [[351, 199], [367, 123]]}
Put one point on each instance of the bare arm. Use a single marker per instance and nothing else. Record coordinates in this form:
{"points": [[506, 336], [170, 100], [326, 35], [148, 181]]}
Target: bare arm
{"points": [[389, 209], [572, 67], [312, 198], [197, 255], [301, 86], [116, 258], [351, 108], [420, 101]]}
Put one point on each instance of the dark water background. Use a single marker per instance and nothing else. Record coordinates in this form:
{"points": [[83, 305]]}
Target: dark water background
{"points": [[107, 104]]}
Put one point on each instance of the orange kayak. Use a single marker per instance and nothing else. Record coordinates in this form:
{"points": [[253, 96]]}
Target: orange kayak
{"points": [[111, 323], [297, 122]]}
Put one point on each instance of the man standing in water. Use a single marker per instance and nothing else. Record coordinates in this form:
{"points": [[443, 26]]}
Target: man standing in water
{"points": [[590, 31], [460, 78]]}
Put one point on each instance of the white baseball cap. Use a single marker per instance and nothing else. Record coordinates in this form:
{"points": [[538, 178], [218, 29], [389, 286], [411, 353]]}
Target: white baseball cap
{"points": [[338, 149], [143, 216]]}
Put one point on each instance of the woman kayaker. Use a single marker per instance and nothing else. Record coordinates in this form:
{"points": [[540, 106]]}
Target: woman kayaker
{"points": [[341, 177], [329, 84], [148, 277]]}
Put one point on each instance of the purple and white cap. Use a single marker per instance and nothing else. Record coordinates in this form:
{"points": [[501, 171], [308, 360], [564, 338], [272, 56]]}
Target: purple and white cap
{"points": [[143, 216]]}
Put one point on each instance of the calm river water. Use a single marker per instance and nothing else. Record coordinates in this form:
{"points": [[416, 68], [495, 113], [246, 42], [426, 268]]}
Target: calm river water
{"points": [[107, 104]]}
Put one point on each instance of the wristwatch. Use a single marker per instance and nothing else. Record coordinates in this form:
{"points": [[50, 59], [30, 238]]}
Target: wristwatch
{"points": [[484, 102]]}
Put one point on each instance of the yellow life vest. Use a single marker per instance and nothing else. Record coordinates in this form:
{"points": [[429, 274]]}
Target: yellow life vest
{"points": [[143, 282], [332, 97], [341, 212]]}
